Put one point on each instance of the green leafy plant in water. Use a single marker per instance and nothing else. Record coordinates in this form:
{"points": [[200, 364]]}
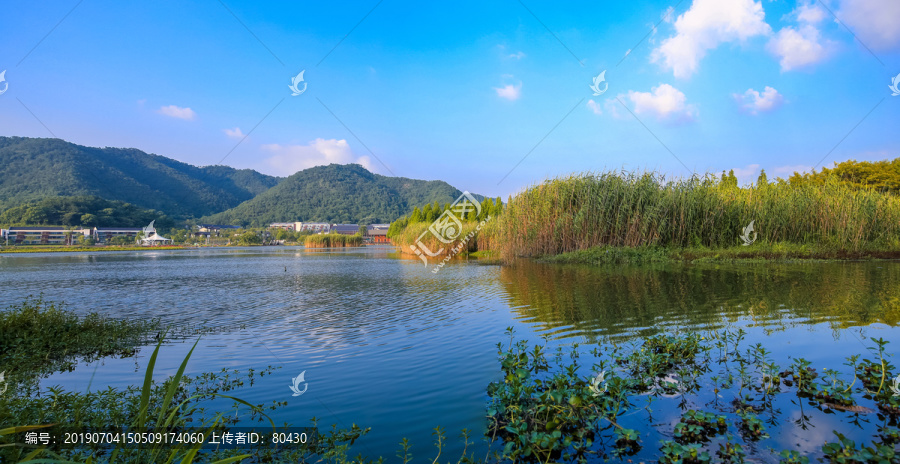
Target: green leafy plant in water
{"points": [[845, 452], [792, 457], [677, 453], [699, 426]]}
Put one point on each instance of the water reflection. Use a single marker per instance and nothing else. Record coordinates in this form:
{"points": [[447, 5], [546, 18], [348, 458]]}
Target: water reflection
{"points": [[565, 301]]}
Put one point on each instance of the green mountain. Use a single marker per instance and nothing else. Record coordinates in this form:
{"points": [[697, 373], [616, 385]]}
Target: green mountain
{"points": [[33, 169], [337, 194], [86, 211]]}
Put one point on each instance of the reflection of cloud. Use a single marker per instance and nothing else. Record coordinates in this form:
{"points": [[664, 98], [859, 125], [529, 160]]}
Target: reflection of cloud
{"points": [[509, 92], [704, 26], [177, 112], [665, 102], [755, 102], [288, 159]]}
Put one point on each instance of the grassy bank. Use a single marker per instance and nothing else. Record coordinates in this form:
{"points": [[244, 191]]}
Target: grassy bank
{"points": [[646, 210], [64, 249], [758, 252], [332, 241]]}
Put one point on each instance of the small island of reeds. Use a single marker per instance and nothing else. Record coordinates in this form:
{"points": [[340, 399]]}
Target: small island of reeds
{"points": [[332, 241]]}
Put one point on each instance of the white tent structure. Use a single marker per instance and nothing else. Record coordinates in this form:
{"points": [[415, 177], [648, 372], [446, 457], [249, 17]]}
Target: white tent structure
{"points": [[151, 238]]}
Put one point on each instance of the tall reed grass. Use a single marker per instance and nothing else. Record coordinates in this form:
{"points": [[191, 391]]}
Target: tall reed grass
{"points": [[332, 240], [646, 209]]}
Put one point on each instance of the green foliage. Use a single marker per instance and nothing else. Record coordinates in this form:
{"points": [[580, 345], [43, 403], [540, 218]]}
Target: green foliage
{"points": [[332, 240], [85, 211], [37, 338], [646, 210], [33, 169], [882, 176], [249, 238], [336, 194]]}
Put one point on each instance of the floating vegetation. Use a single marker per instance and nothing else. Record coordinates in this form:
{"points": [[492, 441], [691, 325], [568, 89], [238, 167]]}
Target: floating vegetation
{"points": [[690, 398]]}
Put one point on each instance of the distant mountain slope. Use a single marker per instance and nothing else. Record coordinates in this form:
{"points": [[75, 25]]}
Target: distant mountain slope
{"points": [[337, 194], [33, 169]]}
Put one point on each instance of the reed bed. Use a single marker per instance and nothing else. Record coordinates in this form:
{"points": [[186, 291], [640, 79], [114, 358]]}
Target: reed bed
{"points": [[332, 241], [413, 233], [645, 209]]}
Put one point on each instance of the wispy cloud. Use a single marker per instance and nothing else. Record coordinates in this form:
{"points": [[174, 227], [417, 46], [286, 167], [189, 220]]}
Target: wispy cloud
{"points": [[235, 133], [288, 159], [594, 106], [518, 55], [510, 92], [177, 112], [755, 102]]}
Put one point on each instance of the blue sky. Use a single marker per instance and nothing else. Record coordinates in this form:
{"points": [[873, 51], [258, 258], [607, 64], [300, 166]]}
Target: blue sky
{"points": [[462, 92]]}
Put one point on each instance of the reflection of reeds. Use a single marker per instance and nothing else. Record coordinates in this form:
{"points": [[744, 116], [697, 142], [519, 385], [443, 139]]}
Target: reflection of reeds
{"points": [[627, 300], [629, 209], [332, 240]]}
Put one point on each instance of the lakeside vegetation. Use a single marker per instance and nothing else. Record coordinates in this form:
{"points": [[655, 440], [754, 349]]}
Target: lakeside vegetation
{"points": [[332, 240], [667, 398], [643, 210], [409, 229]]}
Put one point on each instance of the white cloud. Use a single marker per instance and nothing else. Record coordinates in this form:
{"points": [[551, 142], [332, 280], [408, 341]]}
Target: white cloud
{"points": [[799, 47], [755, 102], [704, 26], [747, 174], [665, 102], [235, 133], [288, 159], [787, 171], [594, 106], [518, 55], [875, 22], [810, 13], [509, 92], [177, 112]]}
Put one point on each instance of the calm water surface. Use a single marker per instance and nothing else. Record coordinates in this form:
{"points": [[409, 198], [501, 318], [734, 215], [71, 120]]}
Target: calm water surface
{"points": [[389, 345]]}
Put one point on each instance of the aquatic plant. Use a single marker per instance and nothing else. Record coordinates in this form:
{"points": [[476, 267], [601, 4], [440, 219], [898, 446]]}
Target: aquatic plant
{"points": [[613, 209], [332, 240]]}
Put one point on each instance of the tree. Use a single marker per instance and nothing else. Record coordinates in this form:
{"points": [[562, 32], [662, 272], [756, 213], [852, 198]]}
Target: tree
{"points": [[416, 216], [88, 219], [762, 181], [249, 238]]}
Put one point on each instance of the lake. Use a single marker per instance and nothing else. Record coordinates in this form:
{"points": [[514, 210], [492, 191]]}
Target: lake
{"points": [[387, 344]]}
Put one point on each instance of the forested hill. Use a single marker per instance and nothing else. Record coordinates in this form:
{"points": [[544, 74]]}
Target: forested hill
{"points": [[33, 169], [337, 194]]}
